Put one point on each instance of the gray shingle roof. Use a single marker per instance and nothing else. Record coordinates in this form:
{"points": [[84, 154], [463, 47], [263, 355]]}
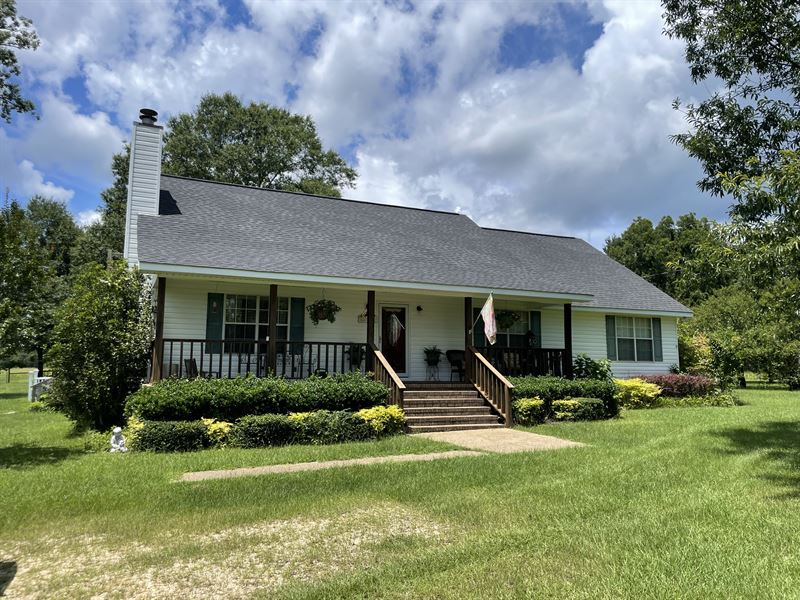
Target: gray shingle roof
{"points": [[207, 224]]}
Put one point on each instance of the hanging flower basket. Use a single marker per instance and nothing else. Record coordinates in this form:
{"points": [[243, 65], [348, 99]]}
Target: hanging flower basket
{"points": [[323, 310], [506, 319]]}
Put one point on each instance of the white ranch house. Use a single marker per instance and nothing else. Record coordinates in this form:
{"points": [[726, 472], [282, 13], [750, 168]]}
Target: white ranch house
{"points": [[237, 268]]}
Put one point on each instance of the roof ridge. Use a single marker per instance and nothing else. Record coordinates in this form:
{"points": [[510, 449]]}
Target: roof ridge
{"points": [[254, 187], [553, 235]]}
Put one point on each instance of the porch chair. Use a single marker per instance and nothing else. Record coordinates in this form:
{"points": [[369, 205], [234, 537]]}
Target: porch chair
{"points": [[456, 360], [190, 366]]}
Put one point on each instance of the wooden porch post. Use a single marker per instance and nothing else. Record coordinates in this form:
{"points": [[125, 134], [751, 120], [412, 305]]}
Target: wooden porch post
{"points": [[467, 336], [370, 329], [272, 352], [158, 344], [568, 340]]}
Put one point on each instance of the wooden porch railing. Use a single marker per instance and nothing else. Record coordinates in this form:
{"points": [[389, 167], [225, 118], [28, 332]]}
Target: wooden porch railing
{"points": [[387, 376], [492, 385], [236, 358], [526, 361]]}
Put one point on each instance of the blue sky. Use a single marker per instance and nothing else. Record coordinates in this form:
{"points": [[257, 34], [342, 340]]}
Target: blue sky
{"points": [[539, 116]]}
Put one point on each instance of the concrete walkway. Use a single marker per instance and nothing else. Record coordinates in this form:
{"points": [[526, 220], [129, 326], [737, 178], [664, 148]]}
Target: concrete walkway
{"points": [[330, 464], [500, 440]]}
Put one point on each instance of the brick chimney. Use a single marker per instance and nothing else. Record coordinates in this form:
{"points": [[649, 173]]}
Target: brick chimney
{"points": [[144, 177]]}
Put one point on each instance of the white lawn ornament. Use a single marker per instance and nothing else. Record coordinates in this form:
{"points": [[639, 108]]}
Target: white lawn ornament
{"points": [[118, 441]]}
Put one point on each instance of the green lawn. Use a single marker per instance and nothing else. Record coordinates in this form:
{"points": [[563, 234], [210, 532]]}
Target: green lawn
{"points": [[668, 503]]}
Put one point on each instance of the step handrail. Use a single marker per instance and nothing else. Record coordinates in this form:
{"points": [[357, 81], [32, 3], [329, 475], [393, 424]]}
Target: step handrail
{"points": [[490, 383], [387, 376]]}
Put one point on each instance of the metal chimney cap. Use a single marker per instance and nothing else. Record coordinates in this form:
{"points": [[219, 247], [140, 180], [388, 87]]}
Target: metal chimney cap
{"points": [[148, 116]]}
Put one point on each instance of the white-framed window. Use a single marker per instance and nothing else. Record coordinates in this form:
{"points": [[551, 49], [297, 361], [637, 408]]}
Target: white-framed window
{"points": [[515, 336], [634, 337], [246, 317]]}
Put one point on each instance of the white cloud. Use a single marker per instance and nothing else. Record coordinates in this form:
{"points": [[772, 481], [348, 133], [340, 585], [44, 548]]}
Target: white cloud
{"points": [[87, 217], [546, 147], [31, 182]]}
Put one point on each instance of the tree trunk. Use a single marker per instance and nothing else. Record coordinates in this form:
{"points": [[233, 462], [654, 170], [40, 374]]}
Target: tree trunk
{"points": [[742, 381], [40, 361]]}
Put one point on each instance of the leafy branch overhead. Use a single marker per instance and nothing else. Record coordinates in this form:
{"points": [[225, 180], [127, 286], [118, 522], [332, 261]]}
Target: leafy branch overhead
{"points": [[16, 33]]}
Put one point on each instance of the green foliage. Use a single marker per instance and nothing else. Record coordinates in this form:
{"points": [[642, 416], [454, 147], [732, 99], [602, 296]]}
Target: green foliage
{"points": [[585, 367], [578, 409], [323, 310], [529, 411], [258, 431], [384, 420], [680, 385], [712, 399], [16, 33], [666, 255], [558, 388], [218, 432], [637, 393], [102, 344], [108, 233], [229, 399], [254, 144], [750, 48], [172, 436], [38, 406], [96, 441]]}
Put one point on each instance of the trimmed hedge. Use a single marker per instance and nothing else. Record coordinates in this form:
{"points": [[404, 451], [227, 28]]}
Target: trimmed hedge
{"points": [[172, 436], [529, 411], [550, 389], [680, 385], [230, 399], [578, 409]]}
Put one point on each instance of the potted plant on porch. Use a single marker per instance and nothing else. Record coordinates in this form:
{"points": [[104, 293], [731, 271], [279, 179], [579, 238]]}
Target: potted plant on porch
{"points": [[505, 319], [432, 356], [323, 310]]}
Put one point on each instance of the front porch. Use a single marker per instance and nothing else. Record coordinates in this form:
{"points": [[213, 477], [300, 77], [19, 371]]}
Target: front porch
{"points": [[224, 328]]}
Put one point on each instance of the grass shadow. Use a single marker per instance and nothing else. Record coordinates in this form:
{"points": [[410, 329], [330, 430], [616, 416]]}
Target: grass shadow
{"points": [[25, 456], [779, 441], [8, 570]]}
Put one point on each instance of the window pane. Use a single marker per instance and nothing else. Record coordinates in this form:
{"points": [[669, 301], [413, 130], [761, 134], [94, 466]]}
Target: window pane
{"points": [[521, 326], [283, 303], [644, 328], [625, 349], [644, 350], [624, 327], [263, 309]]}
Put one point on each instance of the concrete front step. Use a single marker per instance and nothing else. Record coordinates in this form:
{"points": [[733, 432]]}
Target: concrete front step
{"points": [[457, 427], [410, 394], [431, 402], [447, 410], [451, 419]]}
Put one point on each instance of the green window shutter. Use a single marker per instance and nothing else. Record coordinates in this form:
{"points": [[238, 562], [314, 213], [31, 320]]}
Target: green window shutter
{"points": [[611, 337], [214, 320], [658, 354], [297, 320], [536, 328], [478, 337]]}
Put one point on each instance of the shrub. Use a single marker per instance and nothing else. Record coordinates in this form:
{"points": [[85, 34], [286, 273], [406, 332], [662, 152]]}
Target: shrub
{"points": [[230, 399], [257, 431], [637, 393], [529, 411], [218, 432], [101, 344], [96, 441], [330, 427], [585, 367], [37, 406], [713, 399], [558, 388], [384, 420], [680, 385], [578, 409], [171, 436]]}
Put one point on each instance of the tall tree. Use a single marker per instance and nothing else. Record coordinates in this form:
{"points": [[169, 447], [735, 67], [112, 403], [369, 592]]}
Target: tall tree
{"points": [[667, 255], [109, 232], [57, 230], [255, 144], [753, 48], [16, 33], [26, 278]]}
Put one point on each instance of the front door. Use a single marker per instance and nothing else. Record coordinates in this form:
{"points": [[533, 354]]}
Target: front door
{"points": [[393, 336]]}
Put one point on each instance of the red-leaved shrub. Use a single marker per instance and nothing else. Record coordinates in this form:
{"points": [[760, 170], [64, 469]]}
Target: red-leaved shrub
{"points": [[681, 385]]}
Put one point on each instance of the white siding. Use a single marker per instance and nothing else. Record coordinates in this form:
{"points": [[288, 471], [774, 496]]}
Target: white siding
{"points": [[589, 336], [144, 182], [440, 322]]}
